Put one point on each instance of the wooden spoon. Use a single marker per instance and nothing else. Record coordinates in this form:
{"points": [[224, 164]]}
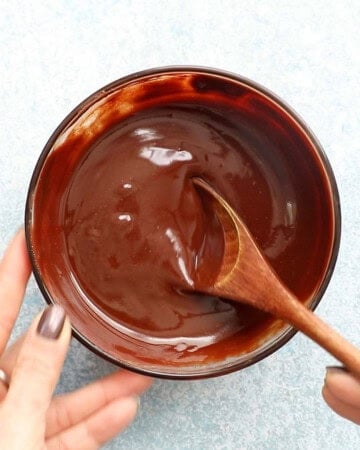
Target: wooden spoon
{"points": [[246, 277]]}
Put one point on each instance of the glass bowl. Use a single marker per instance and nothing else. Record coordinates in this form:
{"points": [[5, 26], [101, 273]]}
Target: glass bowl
{"points": [[114, 102]]}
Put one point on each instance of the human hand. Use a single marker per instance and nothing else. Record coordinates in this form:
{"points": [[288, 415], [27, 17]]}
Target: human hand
{"points": [[341, 392], [29, 415]]}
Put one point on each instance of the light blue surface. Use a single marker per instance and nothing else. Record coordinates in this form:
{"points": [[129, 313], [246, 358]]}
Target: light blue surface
{"points": [[55, 53]]}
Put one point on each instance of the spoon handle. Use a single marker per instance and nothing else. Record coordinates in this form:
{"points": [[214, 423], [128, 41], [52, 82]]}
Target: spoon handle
{"points": [[272, 296], [306, 321]]}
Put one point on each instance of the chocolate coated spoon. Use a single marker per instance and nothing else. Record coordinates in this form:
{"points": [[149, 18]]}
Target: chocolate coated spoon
{"points": [[246, 277]]}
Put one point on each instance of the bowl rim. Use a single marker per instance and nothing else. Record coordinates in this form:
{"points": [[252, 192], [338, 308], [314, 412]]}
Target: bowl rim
{"points": [[288, 331]]}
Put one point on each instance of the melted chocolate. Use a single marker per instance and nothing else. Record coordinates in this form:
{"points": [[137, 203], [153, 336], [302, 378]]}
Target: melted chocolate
{"points": [[117, 217]]}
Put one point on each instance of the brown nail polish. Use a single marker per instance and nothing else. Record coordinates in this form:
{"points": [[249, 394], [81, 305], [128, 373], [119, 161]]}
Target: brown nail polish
{"points": [[335, 368], [51, 322]]}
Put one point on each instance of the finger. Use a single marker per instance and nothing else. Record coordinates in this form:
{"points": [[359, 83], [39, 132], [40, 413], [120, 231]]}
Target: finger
{"points": [[3, 385], [98, 428], [37, 368], [14, 274], [343, 409], [344, 386], [8, 359], [7, 362], [69, 409]]}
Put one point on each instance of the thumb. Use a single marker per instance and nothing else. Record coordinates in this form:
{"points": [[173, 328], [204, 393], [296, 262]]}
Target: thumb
{"points": [[37, 369]]}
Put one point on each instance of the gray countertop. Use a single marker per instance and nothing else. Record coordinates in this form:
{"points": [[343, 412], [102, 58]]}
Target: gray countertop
{"points": [[55, 53]]}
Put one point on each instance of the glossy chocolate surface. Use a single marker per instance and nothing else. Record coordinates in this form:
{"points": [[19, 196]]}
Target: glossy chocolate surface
{"points": [[119, 231]]}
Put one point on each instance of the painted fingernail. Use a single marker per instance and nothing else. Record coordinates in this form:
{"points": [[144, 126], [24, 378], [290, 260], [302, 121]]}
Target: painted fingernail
{"points": [[51, 322], [341, 369]]}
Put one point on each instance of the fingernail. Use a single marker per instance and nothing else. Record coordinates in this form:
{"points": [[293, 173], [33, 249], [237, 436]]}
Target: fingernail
{"points": [[341, 369], [51, 322], [138, 401]]}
